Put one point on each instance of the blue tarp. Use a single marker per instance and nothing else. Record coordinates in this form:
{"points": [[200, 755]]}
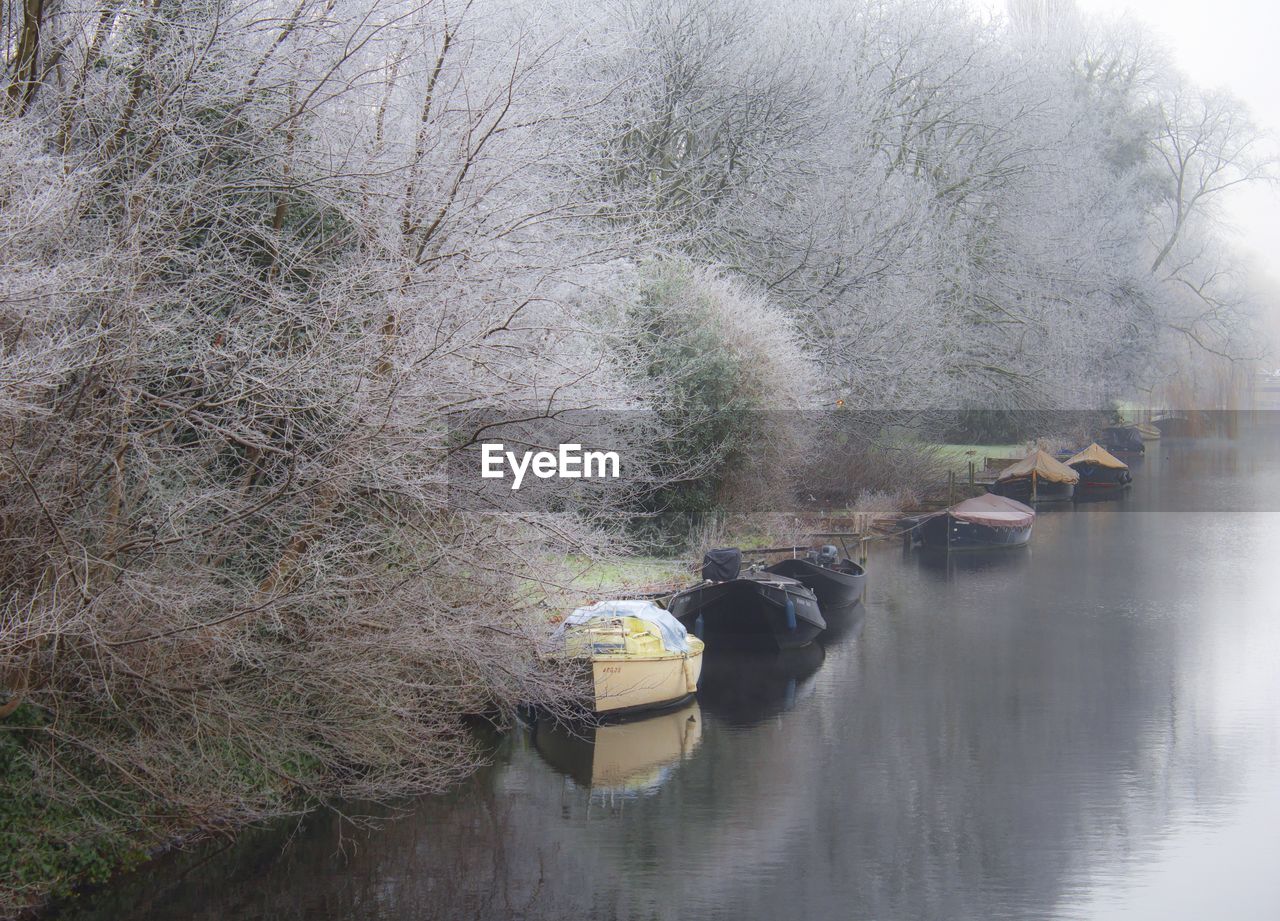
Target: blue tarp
{"points": [[674, 636]]}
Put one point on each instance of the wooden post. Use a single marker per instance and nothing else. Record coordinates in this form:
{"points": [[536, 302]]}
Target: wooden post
{"points": [[951, 488], [973, 474]]}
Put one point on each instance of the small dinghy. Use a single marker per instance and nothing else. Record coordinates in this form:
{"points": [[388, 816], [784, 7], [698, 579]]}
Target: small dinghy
{"points": [[1038, 477], [981, 523], [837, 583], [1100, 471], [641, 657], [749, 607]]}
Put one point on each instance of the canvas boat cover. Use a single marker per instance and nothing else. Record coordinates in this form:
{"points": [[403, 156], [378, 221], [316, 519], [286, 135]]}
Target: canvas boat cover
{"points": [[993, 511], [1043, 465], [675, 638], [722, 565], [1098, 456]]}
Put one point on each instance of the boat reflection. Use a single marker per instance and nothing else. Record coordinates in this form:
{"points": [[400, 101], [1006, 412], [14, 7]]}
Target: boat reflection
{"points": [[940, 564], [634, 758], [844, 626], [745, 686], [1087, 494]]}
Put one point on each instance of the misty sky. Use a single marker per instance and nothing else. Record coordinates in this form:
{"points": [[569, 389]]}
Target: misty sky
{"points": [[1230, 44]]}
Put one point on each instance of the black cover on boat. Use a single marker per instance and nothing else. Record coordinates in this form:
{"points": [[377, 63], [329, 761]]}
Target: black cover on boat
{"points": [[1120, 438], [722, 565]]}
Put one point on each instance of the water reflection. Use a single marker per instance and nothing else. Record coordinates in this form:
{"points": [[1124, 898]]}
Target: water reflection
{"points": [[937, 563], [621, 759], [844, 627], [1036, 734], [745, 686]]}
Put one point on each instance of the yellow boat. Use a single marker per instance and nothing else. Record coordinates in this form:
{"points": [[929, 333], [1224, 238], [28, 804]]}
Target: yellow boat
{"points": [[641, 657]]}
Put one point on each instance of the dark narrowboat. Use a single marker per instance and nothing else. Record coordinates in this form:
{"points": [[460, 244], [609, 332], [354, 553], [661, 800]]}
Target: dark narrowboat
{"points": [[1038, 477], [747, 607], [837, 582], [982, 523]]}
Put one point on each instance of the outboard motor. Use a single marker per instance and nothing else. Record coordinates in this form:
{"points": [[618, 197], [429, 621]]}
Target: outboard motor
{"points": [[826, 555], [722, 565]]}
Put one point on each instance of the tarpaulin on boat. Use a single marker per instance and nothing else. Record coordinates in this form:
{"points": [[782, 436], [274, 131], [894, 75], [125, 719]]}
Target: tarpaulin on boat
{"points": [[1043, 465], [1123, 438], [721, 565], [1098, 456], [993, 511], [674, 636]]}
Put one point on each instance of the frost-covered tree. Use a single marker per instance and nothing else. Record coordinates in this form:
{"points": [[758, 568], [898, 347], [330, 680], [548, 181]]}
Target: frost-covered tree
{"points": [[253, 258], [267, 268]]}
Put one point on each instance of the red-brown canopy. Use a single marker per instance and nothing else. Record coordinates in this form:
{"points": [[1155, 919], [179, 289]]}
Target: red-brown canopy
{"points": [[993, 511]]}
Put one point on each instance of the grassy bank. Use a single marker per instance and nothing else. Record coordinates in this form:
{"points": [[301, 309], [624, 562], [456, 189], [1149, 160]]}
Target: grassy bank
{"points": [[59, 837], [48, 847], [957, 457]]}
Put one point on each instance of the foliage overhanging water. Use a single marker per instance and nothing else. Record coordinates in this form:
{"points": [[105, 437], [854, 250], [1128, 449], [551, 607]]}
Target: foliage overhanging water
{"points": [[1083, 730]]}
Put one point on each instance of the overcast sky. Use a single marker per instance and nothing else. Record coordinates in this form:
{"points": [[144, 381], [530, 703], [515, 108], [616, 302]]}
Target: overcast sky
{"points": [[1234, 44]]}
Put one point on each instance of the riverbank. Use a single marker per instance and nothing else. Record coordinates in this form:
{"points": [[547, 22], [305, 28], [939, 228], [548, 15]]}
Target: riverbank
{"points": [[51, 846], [1029, 702]]}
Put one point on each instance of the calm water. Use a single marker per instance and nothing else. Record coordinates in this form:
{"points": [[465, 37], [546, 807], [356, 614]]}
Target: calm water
{"points": [[1085, 729]]}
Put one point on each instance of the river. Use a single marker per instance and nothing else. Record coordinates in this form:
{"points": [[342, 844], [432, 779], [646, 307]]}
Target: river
{"points": [[1088, 728]]}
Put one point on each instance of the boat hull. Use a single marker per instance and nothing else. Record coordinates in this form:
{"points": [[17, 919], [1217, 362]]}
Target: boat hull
{"points": [[946, 533], [1097, 481], [837, 590], [751, 612], [1020, 489], [630, 684], [1120, 440]]}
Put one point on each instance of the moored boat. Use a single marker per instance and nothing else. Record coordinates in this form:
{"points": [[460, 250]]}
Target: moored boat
{"points": [[1038, 477], [1122, 439], [981, 523], [837, 583], [749, 606], [1100, 471], [641, 657]]}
